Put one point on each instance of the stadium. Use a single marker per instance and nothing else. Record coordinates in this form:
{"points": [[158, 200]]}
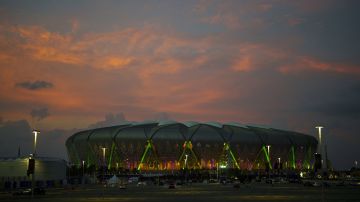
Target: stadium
{"points": [[173, 146]]}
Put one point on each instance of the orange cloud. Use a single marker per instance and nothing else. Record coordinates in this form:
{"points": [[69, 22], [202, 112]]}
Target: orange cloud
{"points": [[115, 62], [308, 63], [243, 64], [295, 21]]}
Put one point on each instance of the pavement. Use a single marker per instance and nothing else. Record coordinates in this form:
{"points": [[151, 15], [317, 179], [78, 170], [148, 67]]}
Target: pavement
{"points": [[195, 192]]}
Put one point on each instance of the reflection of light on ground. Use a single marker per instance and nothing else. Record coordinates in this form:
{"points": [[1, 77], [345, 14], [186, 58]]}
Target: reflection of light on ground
{"points": [[262, 197], [107, 199]]}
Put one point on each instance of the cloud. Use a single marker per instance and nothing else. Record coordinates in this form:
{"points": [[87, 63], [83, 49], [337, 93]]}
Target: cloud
{"points": [[13, 135], [298, 64], [17, 134], [110, 120], [295, 21], [74, 25], [36, 85], [234, 15], [342, 102], [40, 113]]}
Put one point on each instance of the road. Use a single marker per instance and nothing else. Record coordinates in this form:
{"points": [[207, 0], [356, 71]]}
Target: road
{"points": [[197, 192]]}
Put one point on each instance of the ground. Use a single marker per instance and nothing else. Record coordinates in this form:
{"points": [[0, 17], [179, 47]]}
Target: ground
{"points": [[196, 192]]}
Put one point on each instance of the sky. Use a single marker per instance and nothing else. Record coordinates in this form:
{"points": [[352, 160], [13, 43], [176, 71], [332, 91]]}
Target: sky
{"points": [[67, 66]]}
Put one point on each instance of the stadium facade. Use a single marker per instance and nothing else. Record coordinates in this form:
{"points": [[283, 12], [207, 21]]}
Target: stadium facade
{"points": [[169, 146]]}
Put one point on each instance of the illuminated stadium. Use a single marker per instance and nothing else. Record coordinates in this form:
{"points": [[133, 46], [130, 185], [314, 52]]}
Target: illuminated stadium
{"points": [[171, 146]]}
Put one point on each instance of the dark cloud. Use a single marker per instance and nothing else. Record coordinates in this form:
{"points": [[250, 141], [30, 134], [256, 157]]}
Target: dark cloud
{"points": [[15, 134], [110, 120], [39, 113], [52, 143], [18, 133], [36, 85], [341, 102]]}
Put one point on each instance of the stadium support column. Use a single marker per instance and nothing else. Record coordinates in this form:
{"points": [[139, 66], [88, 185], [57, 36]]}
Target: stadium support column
{"points": [[111, 155], [187, 147], [149, 148], [228, 155], [308, 157], [266, 150], [292, 157]]}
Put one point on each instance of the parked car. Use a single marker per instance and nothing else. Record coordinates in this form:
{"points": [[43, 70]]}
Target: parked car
{"points": [[172, 185], [37, 191], [141, 183]]}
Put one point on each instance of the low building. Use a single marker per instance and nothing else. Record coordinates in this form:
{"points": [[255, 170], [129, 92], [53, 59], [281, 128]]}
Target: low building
{"points": [[49, 172]]}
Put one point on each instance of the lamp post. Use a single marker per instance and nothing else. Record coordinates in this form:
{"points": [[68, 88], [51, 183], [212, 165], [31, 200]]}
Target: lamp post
{"points": [[104, 159], [279, 160], [320, 148], [268, 150], [319, 129], [83, 171], [186, 158], [35, 132]]}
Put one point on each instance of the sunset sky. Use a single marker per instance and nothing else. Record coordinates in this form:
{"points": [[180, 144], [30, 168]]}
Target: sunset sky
{"points": [[71, 65]]}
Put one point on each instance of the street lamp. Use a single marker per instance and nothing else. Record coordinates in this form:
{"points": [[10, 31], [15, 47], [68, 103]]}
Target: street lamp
{"points": [[319, 129], [35, 132], [279, 159], [104, 153], [322, 153], [268, 150], [186, 158], [83, 171]]}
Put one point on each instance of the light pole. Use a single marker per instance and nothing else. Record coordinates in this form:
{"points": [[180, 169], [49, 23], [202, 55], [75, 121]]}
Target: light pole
{"points": [[35, 132], [83, 171], [268, 150], [104, 159], [319, 129], [320, 148], [186, 158], [279, 159], [356, 164]]}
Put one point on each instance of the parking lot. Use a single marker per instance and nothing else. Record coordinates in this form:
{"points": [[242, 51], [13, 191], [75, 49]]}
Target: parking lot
{"points": [[196, 192]]}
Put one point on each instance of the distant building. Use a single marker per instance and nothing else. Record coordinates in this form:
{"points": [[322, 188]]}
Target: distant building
{"points": [[48, 172], [170, 146]]}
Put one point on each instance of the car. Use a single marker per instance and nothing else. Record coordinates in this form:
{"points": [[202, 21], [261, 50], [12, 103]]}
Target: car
{"points": [[172, 185], [308, 184], [355, 183], [141, 183], [237, 185], [37, 191]]}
